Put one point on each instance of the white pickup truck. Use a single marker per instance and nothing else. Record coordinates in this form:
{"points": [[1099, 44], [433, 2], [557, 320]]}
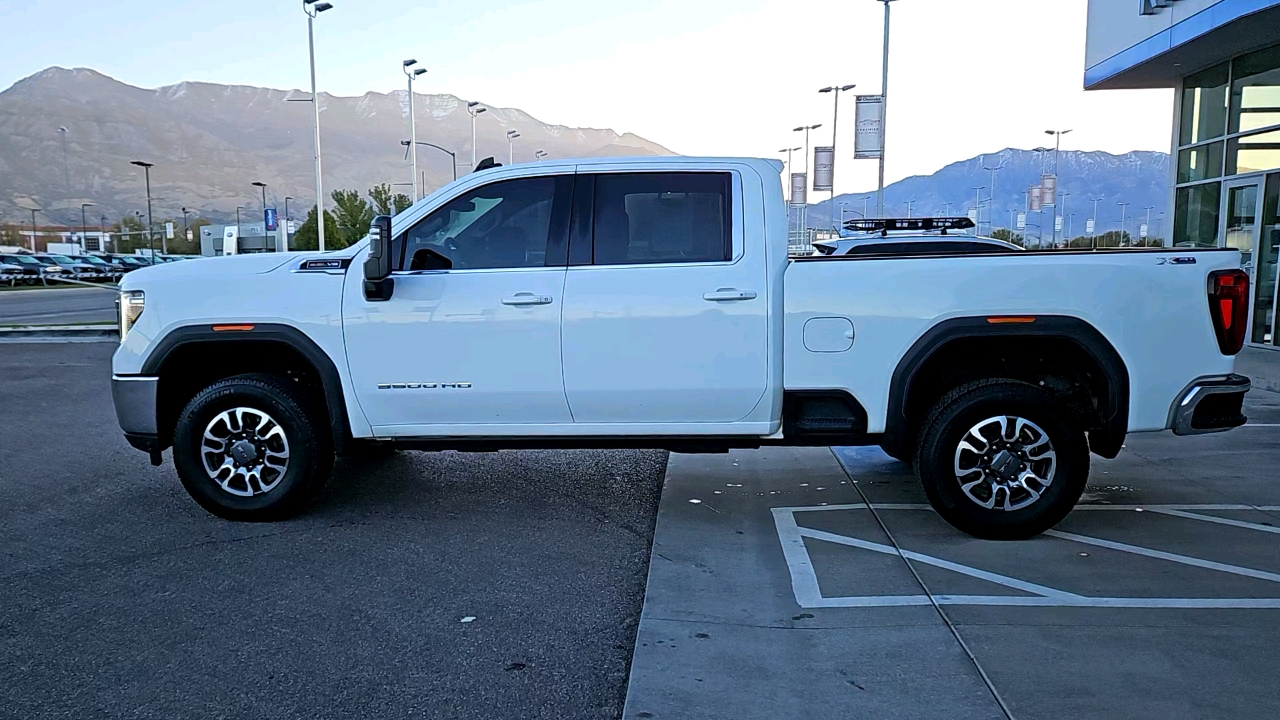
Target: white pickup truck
{"points": [[650, 303]]}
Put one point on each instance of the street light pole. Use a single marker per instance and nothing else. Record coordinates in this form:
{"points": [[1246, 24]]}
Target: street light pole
{"points": [[413, 127], [1149, 208], [511, 138], [238, 209], [84, 227], [264, 213], [991, 197], [312, 9], [102, 231], [835, 125], [977, 207], [151, 235], [1124, 207], [884, 109], [285, 233], [33, 227], [474, 111], [186, 227]]}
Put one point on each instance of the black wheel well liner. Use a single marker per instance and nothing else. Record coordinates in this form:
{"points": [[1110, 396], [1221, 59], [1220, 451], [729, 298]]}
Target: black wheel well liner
{"points": [[1105, 441], [285, 338]]}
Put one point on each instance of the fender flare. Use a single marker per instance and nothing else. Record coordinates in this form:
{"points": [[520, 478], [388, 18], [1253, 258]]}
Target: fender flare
{"points": [[330, 380], [1105, 442]]}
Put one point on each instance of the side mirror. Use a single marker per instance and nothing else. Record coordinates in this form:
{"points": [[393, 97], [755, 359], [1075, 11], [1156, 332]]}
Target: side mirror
{"points": [[378, 283]]}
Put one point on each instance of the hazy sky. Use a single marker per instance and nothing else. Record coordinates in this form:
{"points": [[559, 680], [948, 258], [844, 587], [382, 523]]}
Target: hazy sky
{"points": [[714, 77]]}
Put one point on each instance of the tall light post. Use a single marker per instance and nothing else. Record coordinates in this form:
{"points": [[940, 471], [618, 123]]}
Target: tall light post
{"points": [[312, 9], [511, 139], [991, 195], [285, 233], [805, 129], [1057, 145], [1148, 208], [977, 207], [835, 124], [452, 157], [151, 236], [66, 174], [884, 109], [412, 72], [789, 168], [33, 227], [102, 231], [186, 227], [238, 209], [1124, 207], [263, 186], [474, 109], [540, 154], [85, 226], [1062, 213]]}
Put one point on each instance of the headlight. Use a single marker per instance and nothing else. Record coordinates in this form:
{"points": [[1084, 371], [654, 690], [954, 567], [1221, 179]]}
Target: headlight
{"points": [[129, 307]]}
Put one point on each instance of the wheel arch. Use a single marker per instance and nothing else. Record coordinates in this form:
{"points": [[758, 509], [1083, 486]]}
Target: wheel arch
{"points": [[1044, 331], [231, 343]]}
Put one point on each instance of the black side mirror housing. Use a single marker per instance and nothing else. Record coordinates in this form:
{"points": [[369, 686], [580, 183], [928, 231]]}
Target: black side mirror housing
{"points": [[378, 283]]}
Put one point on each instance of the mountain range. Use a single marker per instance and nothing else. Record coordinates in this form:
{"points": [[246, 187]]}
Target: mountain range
{"points": [[67, 137], [1139, 178]]}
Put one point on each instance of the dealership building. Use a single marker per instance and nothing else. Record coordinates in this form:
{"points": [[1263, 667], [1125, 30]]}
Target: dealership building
{"points": [[1223, 59]]}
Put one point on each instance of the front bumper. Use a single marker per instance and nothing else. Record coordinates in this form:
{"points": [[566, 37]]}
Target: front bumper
{"points": [[135, 399], [1210, 404]]}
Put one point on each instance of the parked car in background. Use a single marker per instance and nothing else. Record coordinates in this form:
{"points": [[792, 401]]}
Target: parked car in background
{"points": [[32, 270], [911, 236], [111, 270], [11, 274], [128, 262], [32, 267], [77, 269]]}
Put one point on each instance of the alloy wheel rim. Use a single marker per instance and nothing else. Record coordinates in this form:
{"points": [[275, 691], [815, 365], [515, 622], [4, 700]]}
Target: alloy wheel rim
{"points": [[245, 451], [1005, 463]]}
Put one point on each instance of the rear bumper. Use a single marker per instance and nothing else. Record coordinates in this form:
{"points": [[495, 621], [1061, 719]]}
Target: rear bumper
{"points": [[1210, 404]]}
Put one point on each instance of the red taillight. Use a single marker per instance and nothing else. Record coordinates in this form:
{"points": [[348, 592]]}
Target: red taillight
{"points": [[1229, 308]]}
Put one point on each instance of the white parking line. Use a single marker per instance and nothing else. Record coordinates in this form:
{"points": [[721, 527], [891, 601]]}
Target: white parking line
{"points": [[808, 593]]}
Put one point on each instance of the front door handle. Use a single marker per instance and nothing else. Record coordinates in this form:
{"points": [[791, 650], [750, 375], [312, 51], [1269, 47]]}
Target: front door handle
{"points": [[526, 298], [729, 295]]}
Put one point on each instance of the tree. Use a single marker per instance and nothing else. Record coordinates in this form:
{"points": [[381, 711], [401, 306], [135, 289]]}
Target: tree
{"points": [[307, 237], [385, 202], [1008, 236], [353, 215], [10, 234]]}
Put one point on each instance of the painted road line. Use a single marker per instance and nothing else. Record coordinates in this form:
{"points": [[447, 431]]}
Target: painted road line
{"points": [[1218, 520], [1162, 555]]}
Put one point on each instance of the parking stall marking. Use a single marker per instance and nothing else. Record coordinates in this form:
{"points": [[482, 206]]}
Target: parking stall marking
{"points": [[808, 593]]}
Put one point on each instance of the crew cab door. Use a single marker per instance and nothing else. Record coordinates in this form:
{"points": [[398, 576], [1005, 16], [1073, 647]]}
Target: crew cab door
{"points": [[665, 313], [478, 343]]}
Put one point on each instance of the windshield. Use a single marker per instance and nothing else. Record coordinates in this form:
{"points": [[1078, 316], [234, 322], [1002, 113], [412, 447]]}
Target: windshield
{"points": [[22, 259], [93, 260], [62, 259]]}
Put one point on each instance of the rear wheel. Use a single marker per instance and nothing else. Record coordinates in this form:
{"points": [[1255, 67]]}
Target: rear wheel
{"points": [[252, 447], [1001, 460]]}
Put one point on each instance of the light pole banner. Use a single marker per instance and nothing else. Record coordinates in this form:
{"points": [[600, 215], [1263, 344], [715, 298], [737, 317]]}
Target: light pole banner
{"points": [[269, 218], [824, 168], [168, 231], [1088, 227], [868, 139], [1142, 231], [1057, 224], [1036, 195], [1022, 221], [799, 189], [1049, 190]]}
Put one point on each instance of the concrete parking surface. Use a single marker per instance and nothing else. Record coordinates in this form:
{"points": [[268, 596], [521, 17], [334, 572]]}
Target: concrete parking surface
{"points": [[119, 597], [775, 592], [57, 306]]}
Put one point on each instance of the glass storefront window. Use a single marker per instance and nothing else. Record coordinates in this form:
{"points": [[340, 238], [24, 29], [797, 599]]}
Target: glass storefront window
{"points": [[1200, 163], [1266, 265], [1195, 216], [1204, 105], [1254, 153], [1255, 92]]}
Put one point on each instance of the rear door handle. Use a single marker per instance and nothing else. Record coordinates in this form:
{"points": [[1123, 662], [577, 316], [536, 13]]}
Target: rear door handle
{"points": [[526, 298], [729, 295]]}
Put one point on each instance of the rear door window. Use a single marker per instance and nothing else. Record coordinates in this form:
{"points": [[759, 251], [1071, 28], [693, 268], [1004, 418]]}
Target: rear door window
{"points": [[641, 218]]}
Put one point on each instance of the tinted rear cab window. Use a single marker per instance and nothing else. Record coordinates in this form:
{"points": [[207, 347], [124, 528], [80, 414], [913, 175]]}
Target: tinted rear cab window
{"points": [[662, 218]]}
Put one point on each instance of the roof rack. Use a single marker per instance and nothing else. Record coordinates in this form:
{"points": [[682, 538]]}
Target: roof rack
{"points": [[884, 225]]}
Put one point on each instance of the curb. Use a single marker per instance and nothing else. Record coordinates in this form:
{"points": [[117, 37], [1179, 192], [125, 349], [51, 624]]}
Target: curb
{"points": [[66, 333]]}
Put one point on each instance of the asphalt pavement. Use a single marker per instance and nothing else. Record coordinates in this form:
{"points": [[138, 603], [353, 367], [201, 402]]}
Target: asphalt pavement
{"points": [[119, 597], [57, 306]]}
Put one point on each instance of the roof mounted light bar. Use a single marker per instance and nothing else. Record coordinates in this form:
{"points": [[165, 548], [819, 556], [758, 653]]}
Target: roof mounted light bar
{"points": [[884, 225]]}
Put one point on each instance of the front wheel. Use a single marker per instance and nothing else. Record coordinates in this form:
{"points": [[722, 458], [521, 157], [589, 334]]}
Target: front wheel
{"points": [[252, 448], [1001, 460]]}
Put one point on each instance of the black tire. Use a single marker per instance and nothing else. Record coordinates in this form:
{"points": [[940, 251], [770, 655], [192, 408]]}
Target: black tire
{"points": [[938, 455], [306, 442]]}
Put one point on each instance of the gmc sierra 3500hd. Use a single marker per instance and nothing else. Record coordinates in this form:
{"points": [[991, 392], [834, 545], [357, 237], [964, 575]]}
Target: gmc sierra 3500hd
{"points": [[650, 303]]}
